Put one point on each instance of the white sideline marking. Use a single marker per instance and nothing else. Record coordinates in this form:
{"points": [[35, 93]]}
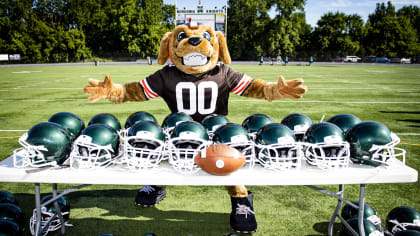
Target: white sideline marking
{"points": [[25, 72], [308, 101], [408, 134], [344, 88], [41, 100], [26, 88], [13, 130]]}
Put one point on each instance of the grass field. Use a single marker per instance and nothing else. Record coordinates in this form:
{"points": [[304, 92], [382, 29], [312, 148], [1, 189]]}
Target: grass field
{"points": [[387, 94]]}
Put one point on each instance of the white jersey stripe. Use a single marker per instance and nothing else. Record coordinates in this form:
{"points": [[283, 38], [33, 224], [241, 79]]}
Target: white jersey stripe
{"points": [[242, 85], [150, 94]]}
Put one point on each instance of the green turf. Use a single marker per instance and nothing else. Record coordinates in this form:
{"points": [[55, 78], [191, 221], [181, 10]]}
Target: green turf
{"points": [[29, 98]]}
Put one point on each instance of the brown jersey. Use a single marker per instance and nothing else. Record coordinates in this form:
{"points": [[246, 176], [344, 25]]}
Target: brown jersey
{"points": [[196, 96]]}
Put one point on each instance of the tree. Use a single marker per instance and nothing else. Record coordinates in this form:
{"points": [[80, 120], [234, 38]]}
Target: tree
{"points": [[389, 35], [337, 34], [253, 33]]}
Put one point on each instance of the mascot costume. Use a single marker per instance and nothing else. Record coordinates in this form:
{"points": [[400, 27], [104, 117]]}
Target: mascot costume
{"points": [[195, 52]]}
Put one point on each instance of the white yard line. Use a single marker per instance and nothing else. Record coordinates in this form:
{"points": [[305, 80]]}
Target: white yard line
{"points": [[309, 101], [13, 130]]}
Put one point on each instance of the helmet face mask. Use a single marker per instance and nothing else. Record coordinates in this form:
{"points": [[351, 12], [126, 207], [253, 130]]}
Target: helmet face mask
{"points": [[325, 146], [96, 147], [187, 140], [45, 144], [276, 147], [143, 145], [279, 156], [373, 144], [49, 215], [402, 218]]}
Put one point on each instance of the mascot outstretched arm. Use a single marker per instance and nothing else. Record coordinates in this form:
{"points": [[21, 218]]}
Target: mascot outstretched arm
{"points": [[178, 52], [197, 84]]}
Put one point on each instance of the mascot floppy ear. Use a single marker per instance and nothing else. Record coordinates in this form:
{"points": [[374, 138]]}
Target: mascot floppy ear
{"points": [[164, 48], [223, 49]]}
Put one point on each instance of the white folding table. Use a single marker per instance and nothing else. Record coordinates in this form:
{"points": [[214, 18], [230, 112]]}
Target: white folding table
{"points": [[165, 175]]}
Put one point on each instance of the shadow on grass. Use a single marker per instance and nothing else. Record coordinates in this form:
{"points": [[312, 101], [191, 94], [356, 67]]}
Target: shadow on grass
{"points": [[401, 112], [113, 211], [322, 228]]}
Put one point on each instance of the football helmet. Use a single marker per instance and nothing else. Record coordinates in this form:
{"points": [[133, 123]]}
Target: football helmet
{"points": [[49, 215], [172, 120], [45, 144], [236, 136], [298, 123], [348, 212], [276, 147], [138, 116], [107, 119], [254, 122], [144, 144], [187, 139], [372, 143], [369, 227], [325, 147], [13, 213], [70, 121], [407, 232], [344, 121], [403, 218], [7, 197], [212, 122], [9, 228], [97, 146]]}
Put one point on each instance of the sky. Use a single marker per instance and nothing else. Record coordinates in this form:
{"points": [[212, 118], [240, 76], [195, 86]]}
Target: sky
{"points": [[314, 9]]}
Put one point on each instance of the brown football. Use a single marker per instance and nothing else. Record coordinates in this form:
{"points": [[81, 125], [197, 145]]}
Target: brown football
{"points": [[220, 159]]}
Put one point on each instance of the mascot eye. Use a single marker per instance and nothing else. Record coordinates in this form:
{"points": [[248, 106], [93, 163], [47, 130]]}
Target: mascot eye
{"points": [[207, 36], [181, 36]]}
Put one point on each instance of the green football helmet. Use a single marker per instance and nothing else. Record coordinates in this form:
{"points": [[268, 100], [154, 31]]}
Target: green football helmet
{"points": [[344, 121], [107, 119], [372, 143], [348, 212], [254, 122], [403, 218], [9, 228], [49, 215], [276, 147], [298, 123], [172, 120], [12, 213], [325, 146], [138, 116], [144, 144], [7, 197], [369, 227], [97, 146], [45, 144], [212, 122], [236, 136], [407, 232], [187, 139], [70, 121]]}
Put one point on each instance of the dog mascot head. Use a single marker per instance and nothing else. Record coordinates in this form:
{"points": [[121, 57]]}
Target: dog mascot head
{"points": [[194, 49]]}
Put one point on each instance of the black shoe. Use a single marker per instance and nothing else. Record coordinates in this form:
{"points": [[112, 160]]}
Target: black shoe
{"points": [[242, 218], [149, 196]]}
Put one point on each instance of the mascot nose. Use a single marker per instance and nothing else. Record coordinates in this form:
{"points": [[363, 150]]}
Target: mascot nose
{"points": [[194, 41]]}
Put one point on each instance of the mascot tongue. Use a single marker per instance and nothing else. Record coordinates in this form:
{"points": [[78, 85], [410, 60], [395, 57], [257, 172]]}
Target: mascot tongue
{"points": [[194, 59]]}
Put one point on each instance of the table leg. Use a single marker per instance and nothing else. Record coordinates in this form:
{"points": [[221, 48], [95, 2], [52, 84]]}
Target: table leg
{"points": [[58, 210], [38, 208], [361, 210], [337, 209]]}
